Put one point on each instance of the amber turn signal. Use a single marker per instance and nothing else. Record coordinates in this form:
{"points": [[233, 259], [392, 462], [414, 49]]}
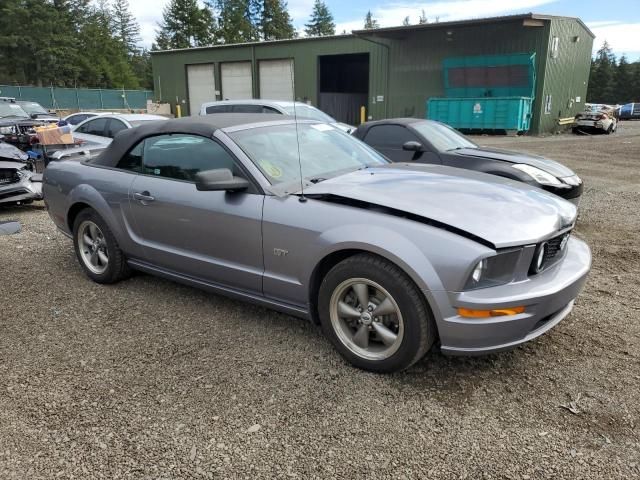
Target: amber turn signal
{"points": [[499, 312]]}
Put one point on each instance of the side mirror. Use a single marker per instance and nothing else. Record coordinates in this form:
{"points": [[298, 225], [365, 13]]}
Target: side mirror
{"points": [[220, 179], [412, 146]]}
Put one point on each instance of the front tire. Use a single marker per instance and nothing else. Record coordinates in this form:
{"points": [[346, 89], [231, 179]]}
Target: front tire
{"points": [[374, 314], [97, 249]]}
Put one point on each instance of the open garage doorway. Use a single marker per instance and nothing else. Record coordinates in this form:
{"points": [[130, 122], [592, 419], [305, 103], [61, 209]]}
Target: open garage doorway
{"points": [[344, 85]]}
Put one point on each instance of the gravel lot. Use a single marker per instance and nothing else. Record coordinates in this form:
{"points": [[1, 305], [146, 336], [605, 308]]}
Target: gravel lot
{"points": [[149, 379]]}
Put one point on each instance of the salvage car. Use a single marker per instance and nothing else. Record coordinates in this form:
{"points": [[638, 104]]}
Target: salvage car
{"points": [[388, 258], [16, 126], [281, 107], [428, 141], [102, 128], [596, 120], [37, 111], [18, 182]]}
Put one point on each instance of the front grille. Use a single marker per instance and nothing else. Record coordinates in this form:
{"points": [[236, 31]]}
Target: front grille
{"points": [[553, 250], [9, 175]]}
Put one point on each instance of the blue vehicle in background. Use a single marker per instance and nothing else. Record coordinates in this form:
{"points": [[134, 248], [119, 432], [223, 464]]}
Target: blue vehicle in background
{"points": [[630, 111]]}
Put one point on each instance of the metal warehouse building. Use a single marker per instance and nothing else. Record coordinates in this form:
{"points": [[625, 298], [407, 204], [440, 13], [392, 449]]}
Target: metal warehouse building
{"points": [[393, 72]]}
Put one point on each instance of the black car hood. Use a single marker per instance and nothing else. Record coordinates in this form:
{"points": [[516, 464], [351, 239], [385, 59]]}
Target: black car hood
{"points": [[11, 153], [550, 166]]}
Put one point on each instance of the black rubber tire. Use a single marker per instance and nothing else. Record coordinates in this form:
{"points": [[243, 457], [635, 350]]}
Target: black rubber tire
{"points": [[609, 130], [118, 269], [420, 329]]}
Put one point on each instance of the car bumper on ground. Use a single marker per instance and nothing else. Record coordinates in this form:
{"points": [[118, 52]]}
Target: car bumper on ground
{"points": [[547, 298], [589, 125]]}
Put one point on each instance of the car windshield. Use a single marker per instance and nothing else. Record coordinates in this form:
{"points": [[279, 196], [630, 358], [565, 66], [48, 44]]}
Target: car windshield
{"points": [[8, 109], [306, 111], [33, 108], [324, 151], [442, 137]]}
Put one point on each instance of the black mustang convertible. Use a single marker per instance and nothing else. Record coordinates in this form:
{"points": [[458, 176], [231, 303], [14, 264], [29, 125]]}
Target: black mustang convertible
{"points": [[427, 141]]}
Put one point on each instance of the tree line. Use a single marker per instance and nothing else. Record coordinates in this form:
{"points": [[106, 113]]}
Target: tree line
{"points": [[612, 80], [71, 43]]}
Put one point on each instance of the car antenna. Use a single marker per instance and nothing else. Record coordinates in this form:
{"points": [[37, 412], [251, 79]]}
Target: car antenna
{"points": [[302, 198]]}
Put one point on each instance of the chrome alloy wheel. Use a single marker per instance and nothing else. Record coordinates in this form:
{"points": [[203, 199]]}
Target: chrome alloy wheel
{"points": [[93, 247], [366, 319]]}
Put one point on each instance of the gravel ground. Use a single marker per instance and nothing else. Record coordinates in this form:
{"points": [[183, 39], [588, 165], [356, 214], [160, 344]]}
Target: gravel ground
{"points": [[149, 379]]}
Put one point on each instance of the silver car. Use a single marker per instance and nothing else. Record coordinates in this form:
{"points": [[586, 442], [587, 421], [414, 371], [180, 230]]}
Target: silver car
{"points": [[100, 129], [306, 219], [280, 107]]}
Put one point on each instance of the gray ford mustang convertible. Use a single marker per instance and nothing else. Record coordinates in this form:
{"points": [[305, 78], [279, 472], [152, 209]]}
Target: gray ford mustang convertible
{"points": [[305, 219]]}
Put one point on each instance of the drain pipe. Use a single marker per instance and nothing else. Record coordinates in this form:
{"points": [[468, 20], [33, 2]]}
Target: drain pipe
{"points": [[386, 87]]}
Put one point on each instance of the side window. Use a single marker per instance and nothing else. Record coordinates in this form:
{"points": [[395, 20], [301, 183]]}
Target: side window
{"points": [[247, 109], [266, 109], [76, 119], [181, 157], [115, 126], [390, 136], [94, 127], [218, 109], [132, 161]]}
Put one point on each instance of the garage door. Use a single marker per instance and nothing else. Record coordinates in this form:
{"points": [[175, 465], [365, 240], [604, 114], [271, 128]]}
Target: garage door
{"points": [[276, 79], [236, 80], [201, 84]]}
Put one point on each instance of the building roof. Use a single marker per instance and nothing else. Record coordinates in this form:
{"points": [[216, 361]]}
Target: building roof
{"points": [[473, 21], [402, 28]]}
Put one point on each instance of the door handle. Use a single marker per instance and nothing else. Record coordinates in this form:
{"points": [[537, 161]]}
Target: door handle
{"points": [[143, 197]]}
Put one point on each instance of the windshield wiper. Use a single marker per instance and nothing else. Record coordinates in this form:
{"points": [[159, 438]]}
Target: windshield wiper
{"points": [[12, 116]]}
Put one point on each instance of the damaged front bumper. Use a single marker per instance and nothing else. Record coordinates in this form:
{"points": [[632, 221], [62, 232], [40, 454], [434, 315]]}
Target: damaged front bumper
{"points": [[27, 189]]}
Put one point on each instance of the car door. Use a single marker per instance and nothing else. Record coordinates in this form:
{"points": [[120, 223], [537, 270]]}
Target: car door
{"points": [[389, 139], [215, 236], [93, 130]]}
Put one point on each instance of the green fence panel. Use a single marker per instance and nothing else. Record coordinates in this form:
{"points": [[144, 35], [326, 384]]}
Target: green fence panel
{"points": [[79, 98]]}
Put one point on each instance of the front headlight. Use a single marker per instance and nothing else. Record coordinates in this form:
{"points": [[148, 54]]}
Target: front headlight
{"points": [[492, 271], [540, 176]]}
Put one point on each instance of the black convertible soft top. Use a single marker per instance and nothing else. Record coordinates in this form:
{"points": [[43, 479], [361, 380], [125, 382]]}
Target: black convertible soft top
{"points": [[197, 125]]}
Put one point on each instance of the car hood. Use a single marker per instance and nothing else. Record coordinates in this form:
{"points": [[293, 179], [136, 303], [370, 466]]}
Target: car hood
{"points": [[550, 166], [499, 211], [10, 153]]}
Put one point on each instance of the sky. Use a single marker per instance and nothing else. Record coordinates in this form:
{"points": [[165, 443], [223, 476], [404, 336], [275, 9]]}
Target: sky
{"points": [[617, 21]]}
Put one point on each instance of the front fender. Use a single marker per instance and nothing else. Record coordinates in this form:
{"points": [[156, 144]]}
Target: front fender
{"points": [[386, 243]]}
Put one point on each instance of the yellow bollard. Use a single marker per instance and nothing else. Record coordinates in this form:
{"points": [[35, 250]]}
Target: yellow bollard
{"points": [[363, 114], [178, 111]]}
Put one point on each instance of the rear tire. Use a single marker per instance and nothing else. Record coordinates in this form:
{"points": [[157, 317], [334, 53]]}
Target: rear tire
{"points": [[609, 130], [97, 249], [392, 331]]}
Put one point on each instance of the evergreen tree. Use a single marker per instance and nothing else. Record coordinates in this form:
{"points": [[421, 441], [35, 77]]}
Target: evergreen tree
{"points": [[238, 20], [406, 22], [125, 26], [601, 89], [185, 24], [623, 81], [423, 18], [275, 21], [370, 22], [321, 21]]}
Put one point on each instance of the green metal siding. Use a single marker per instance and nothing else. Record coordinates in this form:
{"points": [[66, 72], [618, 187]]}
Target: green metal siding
{"points": [[170, 68], [416, 60], [566, 76]]}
